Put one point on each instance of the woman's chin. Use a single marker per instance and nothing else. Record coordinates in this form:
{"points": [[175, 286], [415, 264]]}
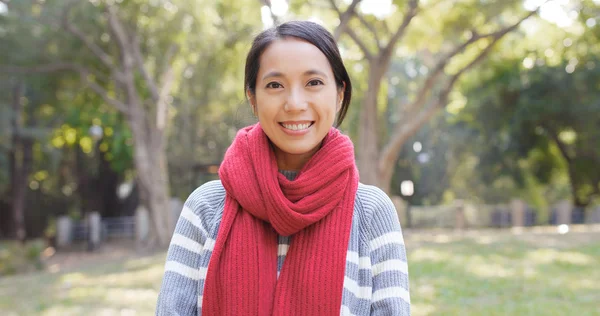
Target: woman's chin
{"points": [[297, 148]]}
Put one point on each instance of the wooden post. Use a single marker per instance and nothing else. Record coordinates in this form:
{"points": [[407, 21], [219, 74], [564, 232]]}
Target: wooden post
{"points": [[563, 212], [142, 224], [64, 232], [460, 220], [95, 230], [518, 208]]}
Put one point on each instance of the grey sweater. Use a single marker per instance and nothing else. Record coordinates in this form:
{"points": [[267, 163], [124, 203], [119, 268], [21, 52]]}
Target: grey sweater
{"points": [[376, 281]]}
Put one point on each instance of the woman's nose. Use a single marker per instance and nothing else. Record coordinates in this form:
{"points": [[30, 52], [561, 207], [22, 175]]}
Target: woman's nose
{"points": [[296, 101]]}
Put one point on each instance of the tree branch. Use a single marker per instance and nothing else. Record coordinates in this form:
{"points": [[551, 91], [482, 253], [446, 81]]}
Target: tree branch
{"points": [[96, 50], [161, 107], [402, 132], [371, 28], [121, 35], [561, 146], [443, 99], [360, 43], [441, 65], [343, 26], [413, 7], [65, 66], [104, 94], [386, 27], [344, 17], [169, 56], [166, 84], [139, 60]]}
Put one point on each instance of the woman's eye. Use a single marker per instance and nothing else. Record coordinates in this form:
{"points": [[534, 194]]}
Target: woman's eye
{"points": [[274, 85], [315, 82]]}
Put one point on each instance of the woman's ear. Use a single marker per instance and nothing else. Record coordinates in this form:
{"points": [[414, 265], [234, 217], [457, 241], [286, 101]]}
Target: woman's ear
{"points": [[340, 97], [252, 100]]}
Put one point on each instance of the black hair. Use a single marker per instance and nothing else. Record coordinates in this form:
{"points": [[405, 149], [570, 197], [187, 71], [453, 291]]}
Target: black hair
{"points": [[312, 33]]}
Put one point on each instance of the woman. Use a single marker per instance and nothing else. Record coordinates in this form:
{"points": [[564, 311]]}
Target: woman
{"points": [[288, 230]]}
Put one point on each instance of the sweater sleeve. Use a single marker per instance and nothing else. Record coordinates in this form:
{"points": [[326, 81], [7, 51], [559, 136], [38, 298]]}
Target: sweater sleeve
{"points": [[179, 290], [388, 258]]}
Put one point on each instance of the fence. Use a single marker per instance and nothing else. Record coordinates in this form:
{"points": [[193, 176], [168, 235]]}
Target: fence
{"points": [[95, 230], [111, 228], [467, 215], [118, 227], [459, 215]]}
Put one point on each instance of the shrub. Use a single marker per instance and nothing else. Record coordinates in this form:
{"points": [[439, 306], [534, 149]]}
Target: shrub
{"points": [[18, 258]]}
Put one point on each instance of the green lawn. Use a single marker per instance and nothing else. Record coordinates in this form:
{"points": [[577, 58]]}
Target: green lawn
{"points": [[507, 275], [483, 273]]}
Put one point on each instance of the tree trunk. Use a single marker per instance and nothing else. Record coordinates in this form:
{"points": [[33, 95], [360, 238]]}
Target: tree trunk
{"points": [[151, 167], [108, 182], [368, 134], [562, 147], [20, 164], [149, 141], [577, 201], [385, 177]]}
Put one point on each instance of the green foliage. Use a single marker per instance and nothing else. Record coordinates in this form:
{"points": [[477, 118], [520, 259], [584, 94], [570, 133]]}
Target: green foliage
{"points": [[541, 121], [17, 258], [493, 142], [212, 38]]}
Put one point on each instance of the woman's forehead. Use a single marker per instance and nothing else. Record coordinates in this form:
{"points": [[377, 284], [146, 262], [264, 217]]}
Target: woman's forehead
{"points": [[291, 56]]}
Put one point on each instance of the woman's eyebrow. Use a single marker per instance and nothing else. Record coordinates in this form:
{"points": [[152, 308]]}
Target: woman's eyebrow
{"points": [[315, 72], [272, 74], [276, 74]]}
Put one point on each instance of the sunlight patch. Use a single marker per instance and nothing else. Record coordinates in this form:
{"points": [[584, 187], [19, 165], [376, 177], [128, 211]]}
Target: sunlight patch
{"points": [[584, 284], [426, 291], [126, 278], [490, 270], [130, 296], [419, 309], [429, 255], [546, 256]]}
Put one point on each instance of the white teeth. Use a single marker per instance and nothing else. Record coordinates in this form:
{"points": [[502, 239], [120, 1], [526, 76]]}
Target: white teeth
{"points": [[296, 127]]}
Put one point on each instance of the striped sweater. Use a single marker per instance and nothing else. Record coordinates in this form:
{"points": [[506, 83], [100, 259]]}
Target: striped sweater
{"points": [[376, 277]]}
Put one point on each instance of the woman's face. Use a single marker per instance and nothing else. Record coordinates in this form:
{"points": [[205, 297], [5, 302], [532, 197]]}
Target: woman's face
{"points": [[296, 98]]}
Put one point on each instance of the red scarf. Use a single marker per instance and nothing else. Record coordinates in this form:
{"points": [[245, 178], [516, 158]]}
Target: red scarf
{"points": [[316, 208]]}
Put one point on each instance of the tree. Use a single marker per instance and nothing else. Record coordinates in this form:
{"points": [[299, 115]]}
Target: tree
{"points": [[533, 113], [152, 62], [544, 119], [24, 101], [126, 83], [484, 26], [20, 161]]}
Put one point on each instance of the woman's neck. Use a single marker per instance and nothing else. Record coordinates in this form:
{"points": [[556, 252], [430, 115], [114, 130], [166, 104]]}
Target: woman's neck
{"points": [[292, 162]]}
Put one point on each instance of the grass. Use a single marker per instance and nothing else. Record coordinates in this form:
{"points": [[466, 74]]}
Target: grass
{"points": [[505, 275], [480, 273], [119, 287]]}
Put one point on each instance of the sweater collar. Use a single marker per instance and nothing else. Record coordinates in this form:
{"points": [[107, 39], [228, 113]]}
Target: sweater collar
{"points": [[289, 174]]}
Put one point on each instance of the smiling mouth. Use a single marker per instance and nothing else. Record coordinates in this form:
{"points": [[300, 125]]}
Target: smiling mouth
{"points": [[297, 127]]}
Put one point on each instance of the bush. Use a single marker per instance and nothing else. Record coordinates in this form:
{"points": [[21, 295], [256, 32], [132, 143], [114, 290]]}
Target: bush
{"points": [[17, 258]]}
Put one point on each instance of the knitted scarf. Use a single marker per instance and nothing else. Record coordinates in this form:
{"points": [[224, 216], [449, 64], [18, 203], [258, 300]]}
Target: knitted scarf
{"points": [[260, 203]]}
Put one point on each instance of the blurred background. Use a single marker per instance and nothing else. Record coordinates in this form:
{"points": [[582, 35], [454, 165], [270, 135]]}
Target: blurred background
{"points": [[480, 119]]}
